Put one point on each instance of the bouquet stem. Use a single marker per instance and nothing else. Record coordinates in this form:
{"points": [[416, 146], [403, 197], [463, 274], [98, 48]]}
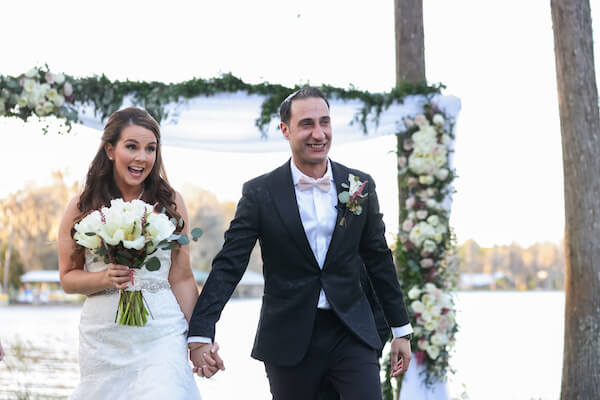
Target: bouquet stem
{"points": [[132, 310]]}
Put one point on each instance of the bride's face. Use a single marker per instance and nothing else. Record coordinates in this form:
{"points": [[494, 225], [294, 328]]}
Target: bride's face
{"points": [[133, 157]]}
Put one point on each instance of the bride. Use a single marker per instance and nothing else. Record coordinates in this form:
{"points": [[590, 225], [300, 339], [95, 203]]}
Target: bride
{"points": [[117, 361]]}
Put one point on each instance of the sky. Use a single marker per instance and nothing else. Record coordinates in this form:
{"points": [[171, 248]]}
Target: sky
{"points": [[496, 56]]}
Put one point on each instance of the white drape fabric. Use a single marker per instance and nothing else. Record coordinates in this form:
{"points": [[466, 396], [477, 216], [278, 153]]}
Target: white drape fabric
{"points": [[226, 122]]}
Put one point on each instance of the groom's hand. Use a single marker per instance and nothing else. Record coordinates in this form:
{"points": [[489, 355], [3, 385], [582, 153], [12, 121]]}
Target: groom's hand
{"points": [[400, 356], [206, 359]]}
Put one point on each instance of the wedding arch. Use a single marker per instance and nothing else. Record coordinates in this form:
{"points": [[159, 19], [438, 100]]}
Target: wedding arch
{"points": [[228, 114]]}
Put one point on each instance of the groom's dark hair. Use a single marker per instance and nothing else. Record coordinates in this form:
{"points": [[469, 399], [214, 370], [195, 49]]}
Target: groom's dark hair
{"points": [[285, 109]]}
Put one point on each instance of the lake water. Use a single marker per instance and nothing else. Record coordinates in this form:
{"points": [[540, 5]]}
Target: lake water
{"points": [[509, 347]]}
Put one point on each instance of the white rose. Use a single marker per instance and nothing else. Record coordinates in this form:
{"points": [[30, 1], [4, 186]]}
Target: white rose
{"points": [[422, 214], [403, 238], [418, 331], [420, 232], [159, 228], [438, 119], [428, 299], [68, 89], [433, 352], [39, 110], [29, 85], [438, 339], [431, 324], [436, 311], [59, 101], [429, 246], [433, 220], [425, 179], [432, 203], [59, 78], [437, 237], [442, 174], [417, 307], [31, 73], [91, 223], [112, 232], [48, 107], [22, 101], [52, 94], [410, 202], [423, 344], [414, 293], [44, 88]]}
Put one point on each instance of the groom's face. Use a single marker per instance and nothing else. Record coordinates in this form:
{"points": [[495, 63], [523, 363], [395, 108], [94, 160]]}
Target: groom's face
{"points": [[309, 130]]}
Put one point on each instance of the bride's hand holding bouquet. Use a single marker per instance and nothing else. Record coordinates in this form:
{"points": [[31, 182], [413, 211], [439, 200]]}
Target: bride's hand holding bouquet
{"points": [[124, 236]]}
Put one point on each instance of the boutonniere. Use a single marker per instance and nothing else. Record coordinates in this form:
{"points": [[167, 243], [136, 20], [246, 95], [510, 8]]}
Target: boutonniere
{"points": [[353, 197]]}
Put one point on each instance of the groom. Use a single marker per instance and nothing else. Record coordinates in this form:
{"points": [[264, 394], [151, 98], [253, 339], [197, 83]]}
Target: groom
{"points": [[315, 324]]}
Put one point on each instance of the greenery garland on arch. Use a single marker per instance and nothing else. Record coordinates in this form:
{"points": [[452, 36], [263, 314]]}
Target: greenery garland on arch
{"points": [[41, 93]]}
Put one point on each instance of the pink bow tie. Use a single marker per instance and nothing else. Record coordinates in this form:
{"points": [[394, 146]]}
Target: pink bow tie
{"points": [[305, 183]]}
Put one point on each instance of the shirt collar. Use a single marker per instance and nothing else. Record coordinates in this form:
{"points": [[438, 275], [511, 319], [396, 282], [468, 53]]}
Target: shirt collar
{"points": [[296, 173]]}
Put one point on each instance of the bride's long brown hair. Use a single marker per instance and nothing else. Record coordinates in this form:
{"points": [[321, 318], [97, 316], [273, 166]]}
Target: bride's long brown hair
{"points": [[100, 186]]}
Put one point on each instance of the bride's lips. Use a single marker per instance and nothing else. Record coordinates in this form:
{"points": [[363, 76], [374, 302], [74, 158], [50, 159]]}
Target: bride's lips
{"points": [[135, 171]]}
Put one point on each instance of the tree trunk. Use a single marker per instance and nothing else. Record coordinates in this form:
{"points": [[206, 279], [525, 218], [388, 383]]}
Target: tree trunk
{"points": [[7, 259], [410, 44], [410, 62], [580, 127]]}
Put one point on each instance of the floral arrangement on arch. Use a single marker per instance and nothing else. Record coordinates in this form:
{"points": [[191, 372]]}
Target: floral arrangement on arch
{"points": [[425, 249], [38, 92]]}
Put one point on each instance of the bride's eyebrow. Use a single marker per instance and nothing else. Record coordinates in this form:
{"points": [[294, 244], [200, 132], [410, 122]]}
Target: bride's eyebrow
{"points": [[136, 142]]}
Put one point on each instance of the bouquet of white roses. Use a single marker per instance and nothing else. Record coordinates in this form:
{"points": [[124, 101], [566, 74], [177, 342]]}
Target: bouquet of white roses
{"points": [[128, 233]]}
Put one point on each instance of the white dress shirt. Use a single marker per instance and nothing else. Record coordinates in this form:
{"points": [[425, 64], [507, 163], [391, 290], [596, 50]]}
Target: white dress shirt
{"points": [[318, 213]]}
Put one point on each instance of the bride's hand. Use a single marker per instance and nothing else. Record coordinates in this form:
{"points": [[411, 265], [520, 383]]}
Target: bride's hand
{"points": [[206, 359], [117, 276]]}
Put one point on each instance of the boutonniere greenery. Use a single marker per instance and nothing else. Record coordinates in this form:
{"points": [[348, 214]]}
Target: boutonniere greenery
{"points": [[354, 196]]}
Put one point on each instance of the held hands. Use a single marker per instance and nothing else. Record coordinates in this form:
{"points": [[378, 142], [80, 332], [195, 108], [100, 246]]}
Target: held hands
{"points": [[117, 276], [206, 359], [401, 355]]}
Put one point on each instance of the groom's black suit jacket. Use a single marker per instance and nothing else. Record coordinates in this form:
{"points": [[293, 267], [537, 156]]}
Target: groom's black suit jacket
{"points": [[268, 211]]}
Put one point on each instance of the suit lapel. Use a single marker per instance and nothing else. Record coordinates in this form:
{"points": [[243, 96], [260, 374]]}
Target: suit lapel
{"points": [[340, 175], [282, 190]]}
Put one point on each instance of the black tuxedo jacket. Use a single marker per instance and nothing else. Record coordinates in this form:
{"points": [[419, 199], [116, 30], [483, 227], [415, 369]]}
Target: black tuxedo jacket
{"points": [[268, 211]]}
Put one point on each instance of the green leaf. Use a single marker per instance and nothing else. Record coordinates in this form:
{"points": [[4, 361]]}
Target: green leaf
{"points": [[90, 233], [344, 197], [180, 222], [173, 221], [345, 185], [183, 239], [413, 266], [153, 264], [196, 233]]}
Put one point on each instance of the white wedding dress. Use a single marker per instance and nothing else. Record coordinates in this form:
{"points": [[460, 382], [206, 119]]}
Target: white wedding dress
{"points": [[129, 362]]}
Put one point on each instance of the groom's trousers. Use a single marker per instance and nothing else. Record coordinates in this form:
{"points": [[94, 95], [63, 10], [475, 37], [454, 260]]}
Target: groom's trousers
{"points": [[334, 354]]}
